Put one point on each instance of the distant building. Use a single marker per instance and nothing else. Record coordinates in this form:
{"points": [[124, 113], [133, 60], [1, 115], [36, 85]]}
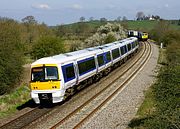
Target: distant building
{"points": [[151, 19]]}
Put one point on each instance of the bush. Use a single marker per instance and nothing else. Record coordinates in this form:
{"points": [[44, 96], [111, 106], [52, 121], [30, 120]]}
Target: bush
{"points": [[11, 54], [166, 96], [110, 38], [47, 46], [105, 34], [173, 51], [162, 32], [166, 91]]}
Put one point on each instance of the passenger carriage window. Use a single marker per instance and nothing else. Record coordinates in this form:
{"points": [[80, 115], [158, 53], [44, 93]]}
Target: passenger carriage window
{"points": [[125, 48], [133, 45], [68, 72], [86, 65], [100, 60], [122, 50], [115, 53], [129, 47], [108, 57]]}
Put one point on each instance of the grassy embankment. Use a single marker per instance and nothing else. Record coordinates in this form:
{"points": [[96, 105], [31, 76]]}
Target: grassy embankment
{"points": [[10, 102], [161, 109]]}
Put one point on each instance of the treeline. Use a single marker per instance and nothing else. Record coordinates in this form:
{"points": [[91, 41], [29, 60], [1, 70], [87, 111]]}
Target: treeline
{"points": [[175, 22], [23, 39], [166, 91], [78, 31], [140, 16]]}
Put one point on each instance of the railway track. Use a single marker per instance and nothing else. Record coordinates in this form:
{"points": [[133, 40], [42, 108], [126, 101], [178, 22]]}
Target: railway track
{"points": [[30, 117], [26, 118], [81, 114]]}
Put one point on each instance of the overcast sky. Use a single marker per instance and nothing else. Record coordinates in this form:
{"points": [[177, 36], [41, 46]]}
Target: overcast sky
{"points": [[55, 12]]}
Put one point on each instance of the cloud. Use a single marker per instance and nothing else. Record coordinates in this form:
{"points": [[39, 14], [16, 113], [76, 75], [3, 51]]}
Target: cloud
{"points": [[41, 6], [166, 5], [76, 7]]}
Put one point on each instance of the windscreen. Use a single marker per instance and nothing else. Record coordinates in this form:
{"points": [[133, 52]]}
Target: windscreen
{"points": [[51, 73], [44, 73]]}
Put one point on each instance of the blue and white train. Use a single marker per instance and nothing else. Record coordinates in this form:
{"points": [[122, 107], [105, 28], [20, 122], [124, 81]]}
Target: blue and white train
{"points": [[56, 77]]}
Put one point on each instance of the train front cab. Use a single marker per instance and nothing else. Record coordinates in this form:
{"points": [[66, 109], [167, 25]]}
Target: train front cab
{"points": [[45, 83], [144, 36]]}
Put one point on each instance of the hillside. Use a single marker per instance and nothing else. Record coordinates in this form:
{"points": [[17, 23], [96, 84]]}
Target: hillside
{"points": [[76, 33]]}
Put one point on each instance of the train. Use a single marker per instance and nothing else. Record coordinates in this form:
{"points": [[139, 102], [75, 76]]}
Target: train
{"points": [[142, 36], [56, 77]]}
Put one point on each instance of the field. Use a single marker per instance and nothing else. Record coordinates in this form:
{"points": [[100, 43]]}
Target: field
{"points": [[141, 25]]}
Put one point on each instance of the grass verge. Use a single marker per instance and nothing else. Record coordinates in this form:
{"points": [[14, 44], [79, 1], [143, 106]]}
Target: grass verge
{"points": [[161, 107], [10, 102]]}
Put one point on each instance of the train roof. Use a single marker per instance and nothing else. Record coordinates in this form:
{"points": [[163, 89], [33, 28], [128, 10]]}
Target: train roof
{"points": [[66, 57]]}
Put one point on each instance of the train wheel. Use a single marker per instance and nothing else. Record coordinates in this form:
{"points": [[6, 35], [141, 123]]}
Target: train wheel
{"points": [[96, 78]]}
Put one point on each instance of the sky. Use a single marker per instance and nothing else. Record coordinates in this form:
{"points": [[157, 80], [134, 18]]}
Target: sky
{"points": [[56, 12]]}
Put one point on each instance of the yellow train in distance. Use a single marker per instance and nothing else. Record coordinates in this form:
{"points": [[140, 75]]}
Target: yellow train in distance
{"points": [[142, 36]]}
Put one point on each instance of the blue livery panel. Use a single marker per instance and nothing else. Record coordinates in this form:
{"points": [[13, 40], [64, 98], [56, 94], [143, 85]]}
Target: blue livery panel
{"points": [[68, 72]]}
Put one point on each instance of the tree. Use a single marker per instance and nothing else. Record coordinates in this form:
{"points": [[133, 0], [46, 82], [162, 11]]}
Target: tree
{"points": [[29, 23], [160, 31], [47, 46], [124, 18], [140, 16], [119, 18], [179, 22], [110, 38], [4, 19], [11, 55], [157, 17], [103, 19], [82, 19], [75, 45], [29, 20], [61, 30], [91, 19]]}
